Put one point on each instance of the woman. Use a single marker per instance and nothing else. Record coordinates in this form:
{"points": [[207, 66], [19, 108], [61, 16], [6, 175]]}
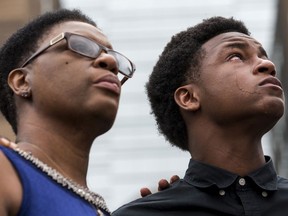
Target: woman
{"points": [[59, 91]]}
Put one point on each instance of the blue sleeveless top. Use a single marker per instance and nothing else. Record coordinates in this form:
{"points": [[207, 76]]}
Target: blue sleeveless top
{"points": [[42, 195]]}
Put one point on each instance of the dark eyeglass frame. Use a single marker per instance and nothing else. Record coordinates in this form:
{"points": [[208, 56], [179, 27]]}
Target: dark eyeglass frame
{"points": [[67, 35]]}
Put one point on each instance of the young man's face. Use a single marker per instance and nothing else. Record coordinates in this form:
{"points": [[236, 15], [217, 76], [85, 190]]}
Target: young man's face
{"points": [[238, 80]]}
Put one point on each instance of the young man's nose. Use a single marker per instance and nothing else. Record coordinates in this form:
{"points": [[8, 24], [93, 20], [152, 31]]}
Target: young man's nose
{"points": [[266, 66]]}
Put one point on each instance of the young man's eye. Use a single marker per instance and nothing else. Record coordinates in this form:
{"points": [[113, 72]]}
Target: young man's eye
{"points": [[235, 57]]}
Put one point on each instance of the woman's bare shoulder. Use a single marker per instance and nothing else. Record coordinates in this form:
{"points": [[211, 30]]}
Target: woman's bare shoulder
{"points": [[10, 188]]}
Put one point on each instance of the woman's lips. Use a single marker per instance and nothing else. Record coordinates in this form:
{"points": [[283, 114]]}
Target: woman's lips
{"points": [[109, 82]]}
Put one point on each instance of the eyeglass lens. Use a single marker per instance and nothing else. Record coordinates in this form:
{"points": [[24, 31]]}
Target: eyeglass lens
{"points": [[91, 49]]}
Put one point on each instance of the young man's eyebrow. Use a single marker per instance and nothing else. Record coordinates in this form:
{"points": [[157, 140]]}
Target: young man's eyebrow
{"points": [[263, 52], [242, 45], [239, 45]]}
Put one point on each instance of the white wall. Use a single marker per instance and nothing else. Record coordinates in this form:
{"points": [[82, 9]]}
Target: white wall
{"points": [[132, 154]]}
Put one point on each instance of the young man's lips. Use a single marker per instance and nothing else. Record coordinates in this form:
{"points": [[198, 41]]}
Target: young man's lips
{"points": [[271, 81]]}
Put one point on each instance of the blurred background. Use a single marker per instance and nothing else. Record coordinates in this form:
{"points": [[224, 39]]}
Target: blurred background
{"points": [[132, 154]]}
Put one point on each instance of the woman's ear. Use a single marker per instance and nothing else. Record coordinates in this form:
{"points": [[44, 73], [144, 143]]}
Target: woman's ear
{"points": [[18, 82], [187, 97]]}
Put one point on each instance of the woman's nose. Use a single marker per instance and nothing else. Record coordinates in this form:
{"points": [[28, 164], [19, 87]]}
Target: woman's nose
{"points": [[106, 61]]}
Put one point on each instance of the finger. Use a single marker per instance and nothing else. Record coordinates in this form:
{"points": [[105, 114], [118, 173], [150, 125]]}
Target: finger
{"points": [[163, 184], [174, 178], [5, 142], [145, 192]]}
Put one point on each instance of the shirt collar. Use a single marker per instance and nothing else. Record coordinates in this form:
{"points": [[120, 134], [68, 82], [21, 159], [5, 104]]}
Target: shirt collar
{"points": [[204, 175]]}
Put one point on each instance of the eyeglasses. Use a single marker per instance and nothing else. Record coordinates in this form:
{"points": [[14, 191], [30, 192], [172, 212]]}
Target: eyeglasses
{"points": [[89, 48]]}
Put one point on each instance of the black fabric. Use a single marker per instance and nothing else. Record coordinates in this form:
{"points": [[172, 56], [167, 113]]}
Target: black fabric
{"points": [[207, 190]]}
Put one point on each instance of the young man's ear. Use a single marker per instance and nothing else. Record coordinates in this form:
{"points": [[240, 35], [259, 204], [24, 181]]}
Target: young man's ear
{"points": [[187, 97], [18, 82]]}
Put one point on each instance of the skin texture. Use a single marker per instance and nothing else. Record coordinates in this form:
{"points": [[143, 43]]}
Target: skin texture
{"points": [[162, 184], [72, 100], [237, 99], [235, 102]]}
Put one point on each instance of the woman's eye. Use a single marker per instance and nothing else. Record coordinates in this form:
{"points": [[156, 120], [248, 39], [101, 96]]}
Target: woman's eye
{"points": [[81, 47]]}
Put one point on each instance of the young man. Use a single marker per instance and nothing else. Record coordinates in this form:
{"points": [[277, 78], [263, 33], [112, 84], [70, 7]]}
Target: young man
{"points": [[214, 93], [59, 91]]}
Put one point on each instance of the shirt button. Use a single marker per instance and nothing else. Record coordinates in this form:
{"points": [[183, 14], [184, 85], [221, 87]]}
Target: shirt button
{"points": [[264, 194], [222, 192], [242, 181]]}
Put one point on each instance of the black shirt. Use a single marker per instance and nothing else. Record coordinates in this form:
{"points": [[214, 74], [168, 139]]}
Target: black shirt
{"points": [[207, 190]]}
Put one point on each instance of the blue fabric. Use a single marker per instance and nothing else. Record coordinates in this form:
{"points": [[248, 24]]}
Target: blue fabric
{"points": [[42, 195]]}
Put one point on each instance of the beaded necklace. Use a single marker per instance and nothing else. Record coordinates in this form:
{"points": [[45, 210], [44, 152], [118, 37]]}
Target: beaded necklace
{"points": [[93, 198]]}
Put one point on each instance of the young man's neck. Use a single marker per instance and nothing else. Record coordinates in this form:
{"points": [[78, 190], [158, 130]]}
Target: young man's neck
{"points": [[237, 151]]}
